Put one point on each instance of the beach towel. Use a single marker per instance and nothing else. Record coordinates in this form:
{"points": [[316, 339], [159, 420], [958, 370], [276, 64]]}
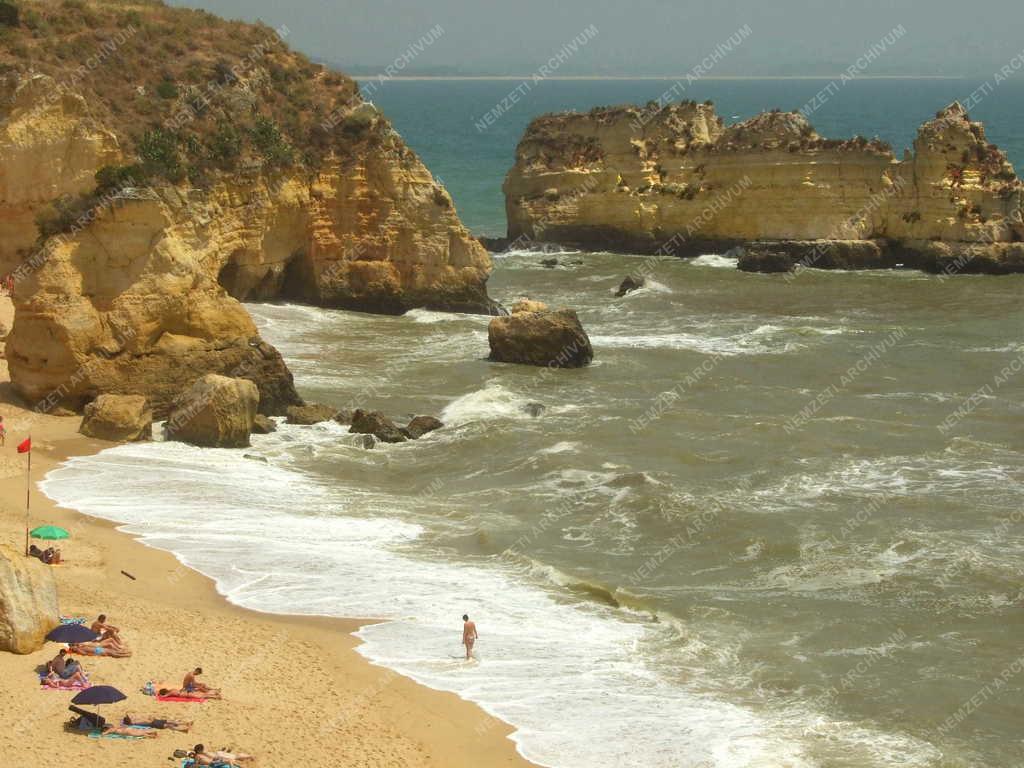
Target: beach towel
{"points": [[97, 734], [72, 620], [179, 699]]}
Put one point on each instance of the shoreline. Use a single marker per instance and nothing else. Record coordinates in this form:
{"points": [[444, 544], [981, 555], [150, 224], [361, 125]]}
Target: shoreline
{"points": [[329, 705]]}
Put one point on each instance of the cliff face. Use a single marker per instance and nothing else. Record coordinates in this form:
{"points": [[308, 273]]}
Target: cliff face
{"points": [[139, 201], [675, 179]]}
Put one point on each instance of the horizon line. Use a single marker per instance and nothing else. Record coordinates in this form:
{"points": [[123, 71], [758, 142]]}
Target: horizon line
{"points": [[384, 76]]}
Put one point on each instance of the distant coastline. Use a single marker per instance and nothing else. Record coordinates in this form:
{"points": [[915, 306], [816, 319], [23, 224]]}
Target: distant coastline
{"points": [[363, 76]]}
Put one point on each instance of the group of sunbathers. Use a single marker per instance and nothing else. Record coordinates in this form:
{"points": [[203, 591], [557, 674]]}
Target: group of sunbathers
{"points": [[63, 671]]}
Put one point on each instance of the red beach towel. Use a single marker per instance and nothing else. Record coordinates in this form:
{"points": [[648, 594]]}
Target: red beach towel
{"points": [[179, 698]]}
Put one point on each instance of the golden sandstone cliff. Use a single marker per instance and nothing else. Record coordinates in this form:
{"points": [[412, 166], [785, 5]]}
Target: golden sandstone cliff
{"points": [[676, 180], [158, 165]]}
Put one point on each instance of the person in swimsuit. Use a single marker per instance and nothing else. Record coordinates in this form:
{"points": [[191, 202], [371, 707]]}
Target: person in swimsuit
{"points": [[181, 693], [157, 723], [469, 635], [192, 685], [106, 631], [76, 680], [219, 757], [101, 648]]}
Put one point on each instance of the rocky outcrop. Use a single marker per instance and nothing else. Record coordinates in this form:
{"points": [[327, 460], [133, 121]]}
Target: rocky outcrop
{"points": [[263, 425], [118, 418], [28, 602], [377, 424], [136, 225], [312, 413], [628, 285], [418, 426], [555, 339], [676, 180], [215, 412]]}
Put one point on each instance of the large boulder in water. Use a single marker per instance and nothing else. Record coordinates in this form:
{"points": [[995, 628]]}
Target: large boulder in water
{"points": [[120, 418], [216, 411], [313, 413], [377, 424], [550, 338], [28, 602]]}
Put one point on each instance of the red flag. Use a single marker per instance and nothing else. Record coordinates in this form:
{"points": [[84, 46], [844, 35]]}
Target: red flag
{"points": [[25, 445]]}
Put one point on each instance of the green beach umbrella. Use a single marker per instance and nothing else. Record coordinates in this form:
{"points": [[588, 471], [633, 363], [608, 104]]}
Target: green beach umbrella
{"points": [[50, 532]]}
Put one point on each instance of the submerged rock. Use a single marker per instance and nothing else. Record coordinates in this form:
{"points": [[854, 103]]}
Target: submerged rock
{"points": [[344, 416], [263, 425], [28, 602], [630, 284], [549, 263], [420, 425], [377, 424], [216, 411], [534, 409], [550, 338], [312, 413], [119, 418]]}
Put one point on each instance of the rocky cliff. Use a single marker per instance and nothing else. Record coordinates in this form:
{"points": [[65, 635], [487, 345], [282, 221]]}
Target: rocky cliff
{"points": [[159, 164], [675, 179]]}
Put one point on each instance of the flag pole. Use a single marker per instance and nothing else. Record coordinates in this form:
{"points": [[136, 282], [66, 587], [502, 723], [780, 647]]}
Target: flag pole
{"points": [[28, 492]]}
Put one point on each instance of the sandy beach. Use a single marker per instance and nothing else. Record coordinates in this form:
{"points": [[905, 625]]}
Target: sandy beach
{"points": [[295, 692]]}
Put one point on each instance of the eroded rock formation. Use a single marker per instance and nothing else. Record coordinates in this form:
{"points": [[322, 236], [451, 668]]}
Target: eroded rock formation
{"points": [[676, 180], [28, 602], [135, 218], [552, 338], [215, 412], [119, 418]]}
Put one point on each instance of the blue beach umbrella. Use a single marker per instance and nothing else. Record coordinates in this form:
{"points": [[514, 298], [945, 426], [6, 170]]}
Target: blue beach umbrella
{"points": [[99, 694], [72, 633]]}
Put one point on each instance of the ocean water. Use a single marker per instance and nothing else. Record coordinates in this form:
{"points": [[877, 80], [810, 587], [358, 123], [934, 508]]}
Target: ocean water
{"points": [[777, 523]]}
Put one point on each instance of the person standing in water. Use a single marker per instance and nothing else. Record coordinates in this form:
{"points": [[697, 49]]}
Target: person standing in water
{"points": [[469, 635]]}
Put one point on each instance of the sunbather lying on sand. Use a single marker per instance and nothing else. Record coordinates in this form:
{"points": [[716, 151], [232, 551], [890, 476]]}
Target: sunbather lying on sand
{"points": [[102, 648], [53, 680], [181, 693], [124, 730], [220, 757], [151, 721]]}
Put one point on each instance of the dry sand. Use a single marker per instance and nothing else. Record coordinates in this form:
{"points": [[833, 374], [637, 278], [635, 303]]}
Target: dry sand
{"points": [[295, 692]]}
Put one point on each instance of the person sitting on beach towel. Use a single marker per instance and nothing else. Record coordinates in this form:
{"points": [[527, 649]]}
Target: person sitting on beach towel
{"points": [[101, 648], [158, 723], [61, 664], [50, 556], [106, 631], [220, 757], [194, 686], [181, 693]]}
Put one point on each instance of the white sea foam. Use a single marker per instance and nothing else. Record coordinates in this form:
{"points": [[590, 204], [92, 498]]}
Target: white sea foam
{"points": [[276, 540], [716, 261]]}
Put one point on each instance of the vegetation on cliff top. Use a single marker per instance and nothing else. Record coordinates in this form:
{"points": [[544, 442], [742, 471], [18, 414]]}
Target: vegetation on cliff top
{"points": [[187, 94]]}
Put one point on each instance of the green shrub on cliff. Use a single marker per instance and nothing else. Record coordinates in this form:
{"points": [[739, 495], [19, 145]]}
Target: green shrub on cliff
{"points": [[158, 150], [270, 143], [8, 14]]}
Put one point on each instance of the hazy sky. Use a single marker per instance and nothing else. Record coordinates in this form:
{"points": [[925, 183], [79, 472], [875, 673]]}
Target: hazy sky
{"points": [[788, 37]]}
